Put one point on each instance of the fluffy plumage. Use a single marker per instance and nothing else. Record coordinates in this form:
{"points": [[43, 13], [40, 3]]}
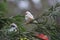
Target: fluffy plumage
{"points": [[13, 27], [29, 17]]}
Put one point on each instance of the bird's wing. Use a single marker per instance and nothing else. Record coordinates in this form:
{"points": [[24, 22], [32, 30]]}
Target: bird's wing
{"points": [[14, 24], [30, 16], [28, 19], [11, 29]]}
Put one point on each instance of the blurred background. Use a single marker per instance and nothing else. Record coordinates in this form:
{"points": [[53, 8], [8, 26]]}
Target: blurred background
{"points": [[16, 7], [36, 7], [47, 11]]}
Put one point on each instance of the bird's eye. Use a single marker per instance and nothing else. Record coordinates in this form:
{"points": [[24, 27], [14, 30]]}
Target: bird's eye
{"points": [[12, 26]]}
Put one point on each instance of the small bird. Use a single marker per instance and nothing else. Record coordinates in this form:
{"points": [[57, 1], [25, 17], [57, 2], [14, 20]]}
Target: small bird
{"points": [[29, 17], [13, 27]]}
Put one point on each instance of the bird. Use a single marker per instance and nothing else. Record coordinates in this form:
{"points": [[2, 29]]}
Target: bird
{"points": [[13, 27], [29, 17]]}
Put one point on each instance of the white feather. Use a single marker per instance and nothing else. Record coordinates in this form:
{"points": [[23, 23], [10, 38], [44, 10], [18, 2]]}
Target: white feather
{"points": [[29, 15], [13, 28], [14, 25]]}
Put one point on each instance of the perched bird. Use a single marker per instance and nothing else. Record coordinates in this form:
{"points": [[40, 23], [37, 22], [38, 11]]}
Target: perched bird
{"points": [[29, 17], [13, 27]]}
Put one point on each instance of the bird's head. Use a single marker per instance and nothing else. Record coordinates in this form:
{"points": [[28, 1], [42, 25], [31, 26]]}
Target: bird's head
{"points": [[27, 12], [13, 25]]}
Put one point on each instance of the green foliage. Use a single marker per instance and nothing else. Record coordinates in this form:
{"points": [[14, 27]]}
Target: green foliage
{"points": [[47, 25], [5, 0], [5, 23], [50, 27], [2, 13]]}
